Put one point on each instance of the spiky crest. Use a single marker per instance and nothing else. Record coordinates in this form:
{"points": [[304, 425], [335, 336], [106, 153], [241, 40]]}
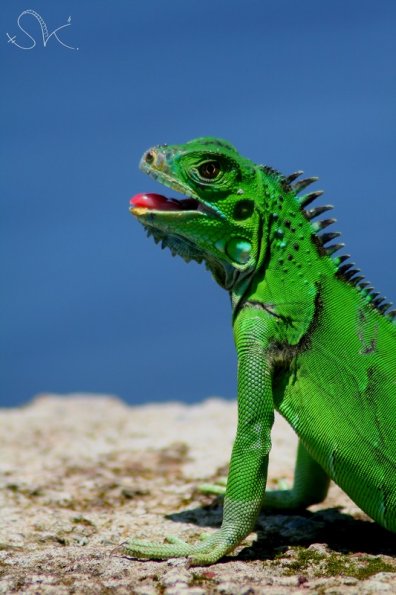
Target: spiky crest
{"points": [[346, 271]]}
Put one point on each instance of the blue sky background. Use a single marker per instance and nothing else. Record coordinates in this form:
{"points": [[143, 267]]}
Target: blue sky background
{"points": [[88, 302]]}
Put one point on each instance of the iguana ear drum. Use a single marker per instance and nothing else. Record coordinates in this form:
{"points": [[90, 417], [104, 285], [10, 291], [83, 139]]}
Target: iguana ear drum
{"points": [[243, 209]]}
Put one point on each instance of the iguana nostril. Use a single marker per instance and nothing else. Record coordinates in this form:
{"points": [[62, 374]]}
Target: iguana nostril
{"points": [[149, 157]]}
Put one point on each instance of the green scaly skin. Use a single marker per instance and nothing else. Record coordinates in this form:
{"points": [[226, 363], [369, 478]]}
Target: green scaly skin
{"points": [[314, 341]]}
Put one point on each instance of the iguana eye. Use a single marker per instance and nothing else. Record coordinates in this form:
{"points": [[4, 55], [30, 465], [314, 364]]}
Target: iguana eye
{"points": [[243, 209], [209, 170]]}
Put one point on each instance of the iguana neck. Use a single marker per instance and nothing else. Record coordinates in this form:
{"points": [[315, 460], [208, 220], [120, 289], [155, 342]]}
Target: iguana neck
{"points": [[290, 264]]}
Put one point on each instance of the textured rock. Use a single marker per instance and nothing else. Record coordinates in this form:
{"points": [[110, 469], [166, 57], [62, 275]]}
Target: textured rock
{"points": [[80, 474]]}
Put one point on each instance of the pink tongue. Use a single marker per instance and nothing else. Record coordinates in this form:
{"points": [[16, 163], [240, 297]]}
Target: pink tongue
{"points": [[154, 201]]}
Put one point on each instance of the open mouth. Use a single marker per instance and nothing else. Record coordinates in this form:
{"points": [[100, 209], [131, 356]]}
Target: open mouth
{"points": [[146, 202], [158, 202]]}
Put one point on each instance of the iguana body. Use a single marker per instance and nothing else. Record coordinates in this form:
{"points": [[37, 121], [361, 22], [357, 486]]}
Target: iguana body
{"points": [[314, 341]]}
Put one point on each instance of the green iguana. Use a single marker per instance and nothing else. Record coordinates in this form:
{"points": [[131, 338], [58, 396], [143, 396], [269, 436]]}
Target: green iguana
{"points": [[314, 340]]}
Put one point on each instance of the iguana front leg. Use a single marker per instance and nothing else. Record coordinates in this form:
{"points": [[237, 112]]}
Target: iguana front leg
{"points": [[249, 462]]}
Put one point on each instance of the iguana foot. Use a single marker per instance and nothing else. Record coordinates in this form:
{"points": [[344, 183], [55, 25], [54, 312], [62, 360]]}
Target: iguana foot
{"points": [[207, 551]]}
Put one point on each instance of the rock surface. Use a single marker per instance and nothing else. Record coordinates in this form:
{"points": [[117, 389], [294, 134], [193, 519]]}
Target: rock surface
{"points": [[79, 474]]}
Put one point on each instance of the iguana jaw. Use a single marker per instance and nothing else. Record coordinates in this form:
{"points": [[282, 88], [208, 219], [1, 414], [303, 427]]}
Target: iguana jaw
{"points": [[156, 205]]}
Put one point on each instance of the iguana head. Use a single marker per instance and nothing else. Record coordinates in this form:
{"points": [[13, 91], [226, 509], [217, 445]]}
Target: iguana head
{"points": [[218, 221]]}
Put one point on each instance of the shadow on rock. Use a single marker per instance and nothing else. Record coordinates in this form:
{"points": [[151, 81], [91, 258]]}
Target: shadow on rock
{"points": [[276, 532]]}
